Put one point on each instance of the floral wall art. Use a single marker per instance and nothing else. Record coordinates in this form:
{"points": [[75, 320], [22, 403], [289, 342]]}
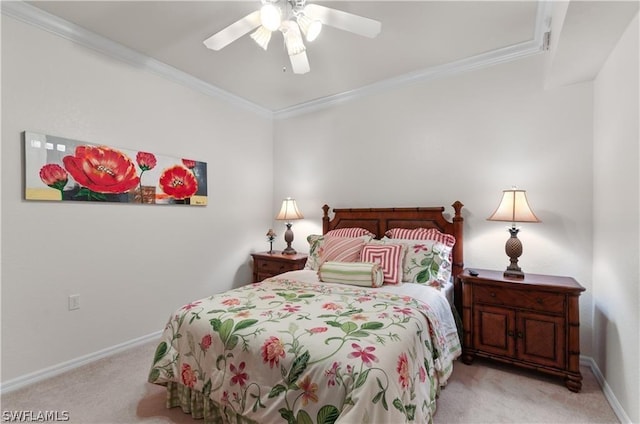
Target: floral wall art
{"points": [[60, 169]]}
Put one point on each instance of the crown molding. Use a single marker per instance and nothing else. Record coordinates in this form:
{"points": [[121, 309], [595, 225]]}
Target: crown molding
{"points": [[505, 54], [39, 18], [55, 25]]}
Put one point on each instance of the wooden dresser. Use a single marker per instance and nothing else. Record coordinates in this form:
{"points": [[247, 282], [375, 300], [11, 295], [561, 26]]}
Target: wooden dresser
{"points": [[532, 322], [267, 264]]}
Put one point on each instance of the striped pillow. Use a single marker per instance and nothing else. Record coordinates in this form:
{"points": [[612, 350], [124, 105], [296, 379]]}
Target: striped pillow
{"points": [[341, 249], [421, 234], [350, 232], [365, 274], [390, 258]]}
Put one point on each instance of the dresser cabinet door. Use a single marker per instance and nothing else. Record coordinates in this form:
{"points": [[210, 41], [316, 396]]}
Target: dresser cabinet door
{"points": [[494, 330], [541, 339]]}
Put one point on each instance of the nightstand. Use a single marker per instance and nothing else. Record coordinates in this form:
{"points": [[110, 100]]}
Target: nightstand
{"points": [[266, 265], [532, 322]]}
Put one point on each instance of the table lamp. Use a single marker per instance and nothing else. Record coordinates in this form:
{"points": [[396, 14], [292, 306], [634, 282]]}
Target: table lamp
{"points": [[513, 208], [288, 212]]}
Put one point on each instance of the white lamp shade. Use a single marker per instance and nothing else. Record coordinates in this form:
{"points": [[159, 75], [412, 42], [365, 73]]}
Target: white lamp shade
{"points": [[262, 36], [270, 17], [292, 38], [289, 210], [514, 207], [310, 27]]}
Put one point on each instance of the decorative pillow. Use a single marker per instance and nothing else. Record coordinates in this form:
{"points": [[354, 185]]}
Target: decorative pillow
{"points": [[406, 233], [389, 256], [365, 274], [316, 242], [317, 248], [341, 249], [421, 234], [426, 262], [350, 232]]}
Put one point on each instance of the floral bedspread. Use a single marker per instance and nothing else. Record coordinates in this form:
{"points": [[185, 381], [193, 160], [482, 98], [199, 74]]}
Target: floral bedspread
{"points": [[293, 352]]}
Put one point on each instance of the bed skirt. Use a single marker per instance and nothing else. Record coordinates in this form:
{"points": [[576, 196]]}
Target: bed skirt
{"points": [[200, 407]]}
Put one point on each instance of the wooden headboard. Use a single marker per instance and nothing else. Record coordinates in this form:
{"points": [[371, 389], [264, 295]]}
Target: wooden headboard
{"points": [[379, 220]]}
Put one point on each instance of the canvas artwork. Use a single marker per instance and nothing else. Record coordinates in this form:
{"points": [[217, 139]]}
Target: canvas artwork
{"points": [[60, 169]]}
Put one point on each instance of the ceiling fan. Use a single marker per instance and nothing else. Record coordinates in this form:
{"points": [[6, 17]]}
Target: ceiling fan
{"points": [[293, 18]]}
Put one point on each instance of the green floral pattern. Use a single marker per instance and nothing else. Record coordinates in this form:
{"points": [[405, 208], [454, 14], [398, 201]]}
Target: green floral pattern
{"points": [[293, 352], [426, 261]]}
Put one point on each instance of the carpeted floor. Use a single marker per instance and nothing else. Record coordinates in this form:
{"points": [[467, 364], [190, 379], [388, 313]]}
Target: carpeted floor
{"points": [[489, 392], [114, 391]]}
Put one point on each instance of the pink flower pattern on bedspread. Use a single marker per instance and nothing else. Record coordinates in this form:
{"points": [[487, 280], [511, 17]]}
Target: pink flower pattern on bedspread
{"points": [[295, 352]]}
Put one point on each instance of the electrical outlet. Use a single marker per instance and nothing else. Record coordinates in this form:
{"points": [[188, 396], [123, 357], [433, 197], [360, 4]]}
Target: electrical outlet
{"points": [[74, 302]]}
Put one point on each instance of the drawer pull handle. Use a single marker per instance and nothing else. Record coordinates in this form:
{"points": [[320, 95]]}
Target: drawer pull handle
{"points": [[520, 334], [492, 294], [539, 300], [510, 333]]}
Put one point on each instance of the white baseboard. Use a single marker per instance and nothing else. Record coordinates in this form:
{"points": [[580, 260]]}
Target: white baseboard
{"points": [[608, 393], [54, 370]]}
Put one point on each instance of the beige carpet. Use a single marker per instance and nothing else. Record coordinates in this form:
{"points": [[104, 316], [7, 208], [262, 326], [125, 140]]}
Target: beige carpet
{"points": [[488, 392], [114, 391]]}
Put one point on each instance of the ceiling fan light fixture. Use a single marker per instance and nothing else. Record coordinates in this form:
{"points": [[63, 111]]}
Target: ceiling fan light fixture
{"points": [[311, 28], [292, 18], [292, 38], [262, 36], [270, 17]]}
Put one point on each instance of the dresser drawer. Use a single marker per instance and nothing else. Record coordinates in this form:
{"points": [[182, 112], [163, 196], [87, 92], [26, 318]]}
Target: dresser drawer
{"points": [[272, 267], [527, 299], [270, 264], [261, 276]]}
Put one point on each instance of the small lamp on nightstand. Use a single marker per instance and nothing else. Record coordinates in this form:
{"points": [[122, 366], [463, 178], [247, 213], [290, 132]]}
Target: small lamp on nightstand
{"points": [[289, 212], [513, 208]]}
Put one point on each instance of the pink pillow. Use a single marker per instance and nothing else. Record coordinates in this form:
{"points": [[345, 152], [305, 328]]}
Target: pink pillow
{"points": [[421, 234], [389, 256], [342, 249], [350, 232]]}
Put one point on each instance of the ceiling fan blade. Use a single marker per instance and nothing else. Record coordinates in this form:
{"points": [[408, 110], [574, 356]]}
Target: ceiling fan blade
{"points": [[300, 63], [344, 20], [234, 31]]}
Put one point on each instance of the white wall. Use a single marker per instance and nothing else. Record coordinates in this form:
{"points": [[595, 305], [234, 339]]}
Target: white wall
{"points": [[131, 264], [616, 275], [466, 137]]}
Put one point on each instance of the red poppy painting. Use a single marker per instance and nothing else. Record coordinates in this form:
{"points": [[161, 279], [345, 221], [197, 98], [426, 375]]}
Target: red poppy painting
{"points": [[62, 169]]}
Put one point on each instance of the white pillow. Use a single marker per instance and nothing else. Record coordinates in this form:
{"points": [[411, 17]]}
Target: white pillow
{"points": [[365, 274], [426, 262]]}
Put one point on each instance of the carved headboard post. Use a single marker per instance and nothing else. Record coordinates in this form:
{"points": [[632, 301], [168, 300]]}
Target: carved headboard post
{"points": [[325, 219], [458, 254]]}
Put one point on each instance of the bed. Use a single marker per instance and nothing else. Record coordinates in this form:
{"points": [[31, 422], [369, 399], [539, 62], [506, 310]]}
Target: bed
{"points": [[302, 347]]}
